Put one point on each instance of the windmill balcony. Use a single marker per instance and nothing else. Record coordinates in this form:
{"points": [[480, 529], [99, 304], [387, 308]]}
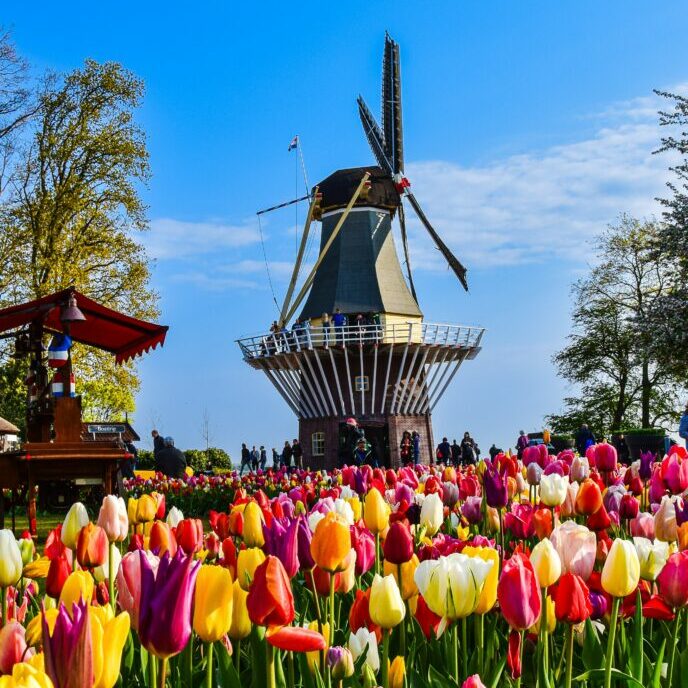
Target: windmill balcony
{"points": [[308, 338]]}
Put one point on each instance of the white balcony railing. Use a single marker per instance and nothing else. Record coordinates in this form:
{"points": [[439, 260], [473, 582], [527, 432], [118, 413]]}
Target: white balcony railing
{"points": [[308, 338]]}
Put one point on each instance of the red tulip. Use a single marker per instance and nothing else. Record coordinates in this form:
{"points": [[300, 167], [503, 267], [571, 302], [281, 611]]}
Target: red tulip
{"points": [[92, 546], [657, 608], [672, 580], [219, 522], [589, 497], [295, 639], [542, 522], [236, 523], [359, 615], [629, 507], [518, 593], [229, 555], [513, 655], [189, 535], [572, 599], [54, 546], [427, 619], [58, 572], [270, 600], [398, 545], [599, 520]]}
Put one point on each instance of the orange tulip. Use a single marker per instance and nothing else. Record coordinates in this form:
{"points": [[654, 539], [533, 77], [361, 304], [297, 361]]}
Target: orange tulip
{"points": [[542, 521], [331, 543], [589, 497], [92, 546], [161, 539]]}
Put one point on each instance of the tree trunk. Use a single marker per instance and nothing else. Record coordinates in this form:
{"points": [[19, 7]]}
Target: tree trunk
{"points": [[645, 394], [620, 409]]}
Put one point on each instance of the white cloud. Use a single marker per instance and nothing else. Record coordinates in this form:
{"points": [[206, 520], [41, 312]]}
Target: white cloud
{"points": [[549, 204], [173, 239]]}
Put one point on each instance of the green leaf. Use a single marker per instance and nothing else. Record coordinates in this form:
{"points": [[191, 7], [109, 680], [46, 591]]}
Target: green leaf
{"points": [[635, 660], [657, 671], [228, 672], [596, 674], [593, 653], [499, 669]]}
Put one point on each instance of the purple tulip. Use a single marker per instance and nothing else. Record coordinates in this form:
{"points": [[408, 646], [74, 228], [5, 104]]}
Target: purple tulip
{"points": [[681, 511], [612, 497], [323, 506], [645, 469], [68, 653], [166, 597], [496, 492], [404, 492], [471, 509], [281, 540], [303, 544], [450, 494], [599, 605]]}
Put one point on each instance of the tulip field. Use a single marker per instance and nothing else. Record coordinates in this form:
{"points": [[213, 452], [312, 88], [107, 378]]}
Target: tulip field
{"points": [[547, 571]]}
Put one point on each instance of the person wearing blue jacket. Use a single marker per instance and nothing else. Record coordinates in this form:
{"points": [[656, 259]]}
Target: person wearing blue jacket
{"points": [[683, 426]]}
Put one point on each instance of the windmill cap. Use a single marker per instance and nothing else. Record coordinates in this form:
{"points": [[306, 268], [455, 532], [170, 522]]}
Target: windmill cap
{"points": [[338, 189]]}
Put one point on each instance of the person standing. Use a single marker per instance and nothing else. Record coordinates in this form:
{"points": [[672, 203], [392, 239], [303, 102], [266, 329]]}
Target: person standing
{"points": [[158, 443], [468, 450], [683, 426], [521, 443], [339, 321], [297, 453], [255, 458], [287, 453], [170, 461], [245, 459], [263, 457], [415, 438], [326, 329], [405, 447], [455, 452], [443, 451], [584, 438], [493, 451]]}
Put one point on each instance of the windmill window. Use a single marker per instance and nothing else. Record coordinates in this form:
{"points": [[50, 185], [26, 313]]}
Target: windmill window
{"points": [[318, 443], [362, 383]]}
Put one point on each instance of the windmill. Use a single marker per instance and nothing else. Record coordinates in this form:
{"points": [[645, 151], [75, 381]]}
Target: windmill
{"points": [[387, 144], [382, 372]]}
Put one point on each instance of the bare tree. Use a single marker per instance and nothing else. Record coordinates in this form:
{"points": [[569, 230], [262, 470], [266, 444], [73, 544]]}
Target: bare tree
{"points": [[206, 432]]}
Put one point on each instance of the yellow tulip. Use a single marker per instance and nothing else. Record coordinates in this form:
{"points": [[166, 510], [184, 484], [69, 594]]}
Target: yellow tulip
{"points": [[37, 569], [108, 635], [247, 563], [240, 626], [488, 596], [25, 675], [408, 585], [356, 506], [78, 586], [212, 603], [313, 658], [75, 520], [621, 571], [551, 618], [253, 525], [386, 607], [397, 671], [331, 543], [146, 508], [546, 562], [132, 505], [376, 512], [34, 629]]}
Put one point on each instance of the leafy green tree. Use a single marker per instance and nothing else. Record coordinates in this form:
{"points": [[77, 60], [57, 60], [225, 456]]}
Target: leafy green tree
{"points": [[610, 355], [75, 209]]}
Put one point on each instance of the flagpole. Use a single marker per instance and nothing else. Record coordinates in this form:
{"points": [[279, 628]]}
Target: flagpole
{"points": [[303, 167]]}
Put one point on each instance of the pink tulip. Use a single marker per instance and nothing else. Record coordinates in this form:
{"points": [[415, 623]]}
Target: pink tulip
{"points": [[672, 580], [113, 518], [518, 593], [537, 454], [129, 583], [473, 682], [577, 548], [675, 473], [643, 525], [605, 457], [13, 647]]}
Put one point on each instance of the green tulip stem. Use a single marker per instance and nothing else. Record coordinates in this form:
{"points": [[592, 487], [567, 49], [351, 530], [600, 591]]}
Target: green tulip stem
{"points": [[569, 655], [290, 669], [209, 667], [543, 630], [3, 603], [162, 676], [237, 656], [332, 617], [464, 647], [479, 621], [455, 653], [111, 577], [613, 619], [188, 661], [270, 652], [501, 535], [674, 642], [384, 667], [402, 625], [152, 671], [377, 554]]}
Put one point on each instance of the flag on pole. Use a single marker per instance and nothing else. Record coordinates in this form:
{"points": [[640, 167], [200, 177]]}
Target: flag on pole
{"points": [[294, 143]]}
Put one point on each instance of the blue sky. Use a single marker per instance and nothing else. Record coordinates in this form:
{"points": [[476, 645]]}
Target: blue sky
{"points": [[528, 127]]}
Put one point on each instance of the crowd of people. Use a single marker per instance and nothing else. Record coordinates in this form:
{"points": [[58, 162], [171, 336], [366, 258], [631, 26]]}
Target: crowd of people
{"points": [[291, 457], [169, 460], [333, 329]]}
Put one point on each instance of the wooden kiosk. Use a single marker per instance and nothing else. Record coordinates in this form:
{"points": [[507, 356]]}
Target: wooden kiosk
{"points": [[55, 448]]}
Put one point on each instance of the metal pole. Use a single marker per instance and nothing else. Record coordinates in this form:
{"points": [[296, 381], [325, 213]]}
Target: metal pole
{"points": [[389, 366], [325, 383], [446, 384], [348, 379], [336, 377]]}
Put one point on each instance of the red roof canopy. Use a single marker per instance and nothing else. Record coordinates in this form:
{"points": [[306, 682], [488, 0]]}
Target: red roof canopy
{"points": [[103, 328]]}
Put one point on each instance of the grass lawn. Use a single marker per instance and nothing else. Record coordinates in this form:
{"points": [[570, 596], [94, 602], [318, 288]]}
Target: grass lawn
{"points": [[45, 522]]}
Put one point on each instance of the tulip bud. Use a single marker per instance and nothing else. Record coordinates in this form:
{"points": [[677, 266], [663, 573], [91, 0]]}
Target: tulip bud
{"points": [[189, 535], [113, 519], [75, 520], [13, 650], [473, 682], [11, 564], [58, 572], [253, 525], [580, 469], [369, 680], [174, 516], [397, 672], [341, 662], [589, 498], [398, 545], [621, 571], [241, 624], [628, 508], [432, 513], [553, 489], [387, 608], [247, 563], [375, 512], [27, 549], [534, 473]]}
